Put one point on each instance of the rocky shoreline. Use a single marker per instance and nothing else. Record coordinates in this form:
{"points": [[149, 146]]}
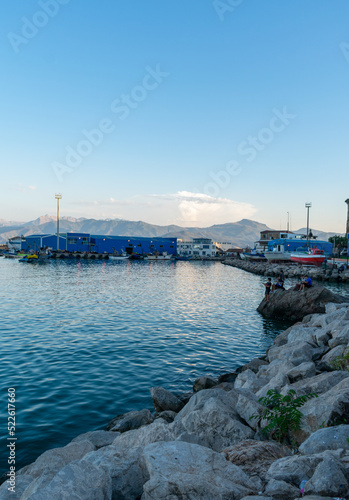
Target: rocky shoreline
{"points": [[204, 445], [330, 274]]}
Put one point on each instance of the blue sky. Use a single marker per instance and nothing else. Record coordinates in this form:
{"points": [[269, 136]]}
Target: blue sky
{"points": [[190, 112]]}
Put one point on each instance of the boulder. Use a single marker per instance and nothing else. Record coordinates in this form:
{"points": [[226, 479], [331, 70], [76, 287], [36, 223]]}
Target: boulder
{"points": [[328, 479], [188, 471], [97, 438], [302, 371], [329, 438], [294, 352], [53, 460], [130, 420], [157, 431], [249, 380], [76, 481], [326, 362], [164, 400], [227, 377], [22, 482], [255, 457], [247, 406], [204, 382], [254, 365], [211, 417], [280, 490], [318, 384], [294, 305], [330, 408], [167, 415]]}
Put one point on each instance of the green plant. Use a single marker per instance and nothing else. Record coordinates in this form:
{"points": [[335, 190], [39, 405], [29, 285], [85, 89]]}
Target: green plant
{"points": [[282, 414], [341, 362]]}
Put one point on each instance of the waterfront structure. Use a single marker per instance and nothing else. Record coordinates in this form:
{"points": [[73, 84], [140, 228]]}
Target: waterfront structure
{"points": [[347, 202], [198, 247], [281, 249], [85, 242], [14, 244], [269, 235]]}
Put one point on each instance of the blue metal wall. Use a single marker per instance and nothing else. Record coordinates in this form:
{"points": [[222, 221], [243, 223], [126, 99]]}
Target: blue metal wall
{"points": [[84, 242], [293, 245]]}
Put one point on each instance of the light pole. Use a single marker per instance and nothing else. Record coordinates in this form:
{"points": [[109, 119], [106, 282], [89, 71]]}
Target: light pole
{"points": [[58, 197], [288, 221], [347, 232], [307, 206]]}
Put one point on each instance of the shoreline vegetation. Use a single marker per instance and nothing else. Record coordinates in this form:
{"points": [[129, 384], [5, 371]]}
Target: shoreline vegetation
{"points": [[210, 443]]}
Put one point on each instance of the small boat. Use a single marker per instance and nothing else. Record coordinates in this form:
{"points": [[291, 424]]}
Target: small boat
{"points": [[254, 255], [29, 259], [122, 256], [11, 255], [313, 257], [157, 257]]}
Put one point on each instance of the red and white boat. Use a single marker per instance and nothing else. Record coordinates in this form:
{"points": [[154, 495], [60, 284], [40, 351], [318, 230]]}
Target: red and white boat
{"points": [[314, 257]]}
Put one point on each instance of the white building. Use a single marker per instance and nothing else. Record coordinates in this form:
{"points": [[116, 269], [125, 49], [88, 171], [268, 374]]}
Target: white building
{"points": [[14, 244], [198, 247]]}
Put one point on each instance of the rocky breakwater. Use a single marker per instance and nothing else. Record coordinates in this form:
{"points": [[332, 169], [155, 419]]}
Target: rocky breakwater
{"points": [[293, 305], [331, 274], [204, 445]]}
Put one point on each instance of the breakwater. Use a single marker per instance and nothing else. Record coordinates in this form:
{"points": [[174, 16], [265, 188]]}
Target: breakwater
{"points": [[205, 445], [331, 273]]}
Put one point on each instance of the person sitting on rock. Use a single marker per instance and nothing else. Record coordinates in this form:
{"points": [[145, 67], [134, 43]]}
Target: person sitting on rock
{"points": [[279, 284], [267, 289], [306, 284]]}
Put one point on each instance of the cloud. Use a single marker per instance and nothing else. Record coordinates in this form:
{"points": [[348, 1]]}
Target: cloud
{"points": [[22, 188], [184, 208]]}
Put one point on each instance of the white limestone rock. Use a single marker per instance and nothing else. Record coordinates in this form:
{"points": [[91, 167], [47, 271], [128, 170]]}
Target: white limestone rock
{"points": [[97, 438], [211, 416], [188, 471], [302, 371], [53, 460], [329, 438]]}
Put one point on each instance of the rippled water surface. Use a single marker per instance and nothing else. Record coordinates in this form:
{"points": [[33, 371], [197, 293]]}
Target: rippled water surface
{"points": [[84, 341]]}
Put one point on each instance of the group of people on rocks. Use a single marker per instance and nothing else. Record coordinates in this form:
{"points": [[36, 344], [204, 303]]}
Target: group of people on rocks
{"points": [[270, 287]]}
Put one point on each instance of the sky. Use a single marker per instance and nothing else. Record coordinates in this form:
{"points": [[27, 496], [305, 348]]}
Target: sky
{"points": [[181, 112]]}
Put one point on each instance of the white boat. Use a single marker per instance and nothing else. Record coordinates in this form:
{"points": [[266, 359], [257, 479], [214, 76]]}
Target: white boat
{"points": [[123, 256], [162, 256], [278, 254]]}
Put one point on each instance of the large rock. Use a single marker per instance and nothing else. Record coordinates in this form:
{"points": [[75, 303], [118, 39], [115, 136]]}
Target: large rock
{"points": [[76, 481], [164, 400], [204, 382], [188, 471], [131, 420], [328, 479], [255, 457], [329, 438], [294, 305], [53, 460], [330, 408], [280, 490], [97, 438], [22, 482], [210, 419]]}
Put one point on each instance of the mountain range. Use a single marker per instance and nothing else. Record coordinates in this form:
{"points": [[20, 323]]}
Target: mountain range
{"points": [[240, 234]]}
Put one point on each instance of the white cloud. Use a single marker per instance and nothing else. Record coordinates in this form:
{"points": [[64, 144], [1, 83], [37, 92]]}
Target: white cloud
{"points": [[183, 208]]}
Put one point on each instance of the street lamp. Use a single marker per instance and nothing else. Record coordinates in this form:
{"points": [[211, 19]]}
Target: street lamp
{"points": [[58, 197], [307, 206]]}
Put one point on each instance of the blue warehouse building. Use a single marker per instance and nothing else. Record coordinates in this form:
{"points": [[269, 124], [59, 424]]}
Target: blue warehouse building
{"points": [[85, 242]]}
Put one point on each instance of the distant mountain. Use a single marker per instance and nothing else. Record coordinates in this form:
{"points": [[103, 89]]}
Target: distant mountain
{"points": [[242, 233], [321, 235]]}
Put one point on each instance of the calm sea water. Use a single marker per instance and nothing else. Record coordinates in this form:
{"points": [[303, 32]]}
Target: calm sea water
{"points": [[83, 341]]}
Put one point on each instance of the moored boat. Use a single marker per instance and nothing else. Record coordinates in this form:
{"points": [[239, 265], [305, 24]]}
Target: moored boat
{"points": [[313, 257], [123, 256], [162, 256]]}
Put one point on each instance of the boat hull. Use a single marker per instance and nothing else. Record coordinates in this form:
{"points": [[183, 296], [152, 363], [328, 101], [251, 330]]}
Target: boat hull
{"points": [[309, 260], [278, 256], [119, 257]]}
